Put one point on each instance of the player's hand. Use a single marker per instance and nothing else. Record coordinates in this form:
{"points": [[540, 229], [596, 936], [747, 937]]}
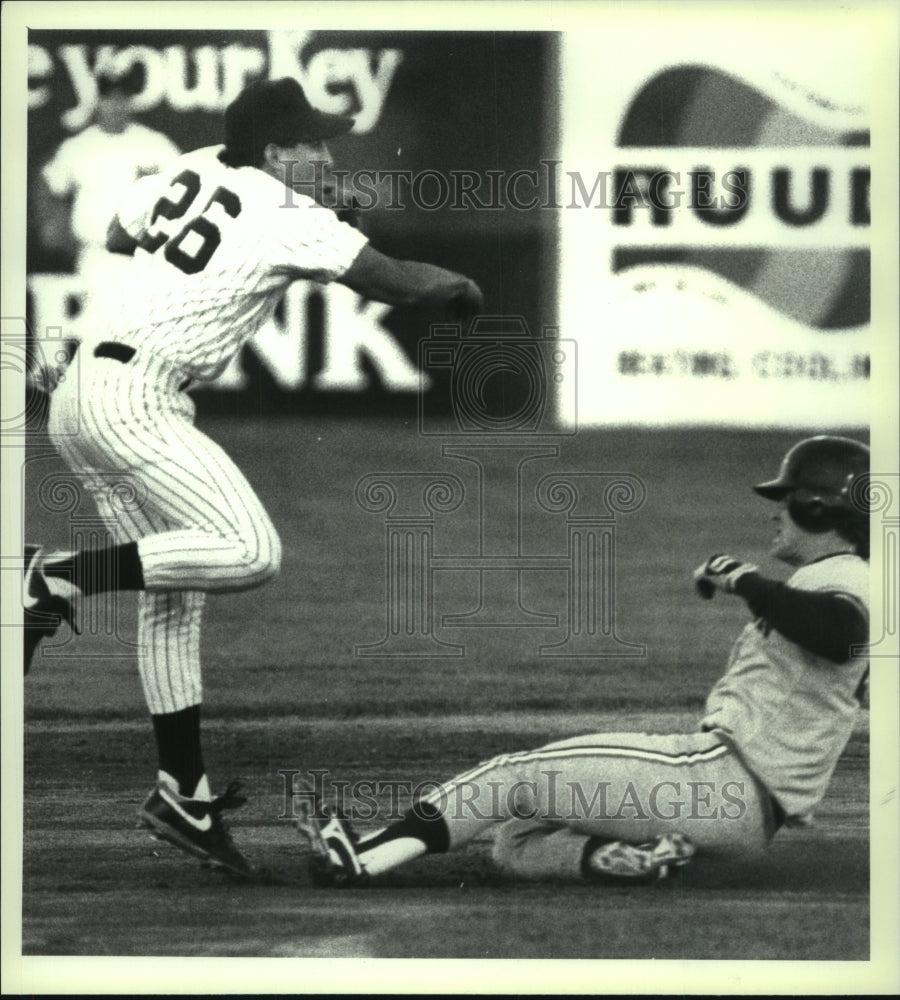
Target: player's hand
{"points": [[465, 303], [720, 572]]}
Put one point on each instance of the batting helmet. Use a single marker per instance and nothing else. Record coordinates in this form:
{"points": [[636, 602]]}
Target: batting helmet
{"points": [[817, 477]]}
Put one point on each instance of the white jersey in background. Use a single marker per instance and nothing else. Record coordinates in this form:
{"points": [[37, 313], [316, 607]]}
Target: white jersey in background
{"points": [[218, 246], [94, 167]]}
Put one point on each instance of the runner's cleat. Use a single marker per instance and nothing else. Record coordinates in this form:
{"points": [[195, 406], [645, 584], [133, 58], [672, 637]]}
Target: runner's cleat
{"points": [[196, 826], [332, 842], [44, 611], [649, 862]]}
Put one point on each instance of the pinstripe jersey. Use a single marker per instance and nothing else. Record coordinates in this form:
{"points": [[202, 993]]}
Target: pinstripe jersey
{"points": [[218, 246], [789, 711]]}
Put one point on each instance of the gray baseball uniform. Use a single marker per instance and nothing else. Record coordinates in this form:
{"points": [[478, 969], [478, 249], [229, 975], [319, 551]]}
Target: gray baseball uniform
{"points": [[774, 728]]}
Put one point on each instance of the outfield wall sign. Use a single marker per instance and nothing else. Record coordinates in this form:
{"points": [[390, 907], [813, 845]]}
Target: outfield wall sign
{"points": [[717, 268], [711, 203], [433, 183]]}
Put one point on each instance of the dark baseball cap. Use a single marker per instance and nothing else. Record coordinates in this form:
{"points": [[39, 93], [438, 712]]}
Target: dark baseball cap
{"points": [[278, 111]]}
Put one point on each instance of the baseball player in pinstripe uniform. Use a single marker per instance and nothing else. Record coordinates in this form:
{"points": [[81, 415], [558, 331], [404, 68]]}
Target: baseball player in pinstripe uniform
{"points": [[628, 806], [216, 241]]}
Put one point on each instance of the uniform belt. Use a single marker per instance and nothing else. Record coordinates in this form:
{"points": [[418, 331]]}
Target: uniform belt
{"points": [[124, 353], [118, 352]]}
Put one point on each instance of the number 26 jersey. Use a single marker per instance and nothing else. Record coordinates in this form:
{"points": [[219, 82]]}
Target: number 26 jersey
{"points": [[217, 248]]}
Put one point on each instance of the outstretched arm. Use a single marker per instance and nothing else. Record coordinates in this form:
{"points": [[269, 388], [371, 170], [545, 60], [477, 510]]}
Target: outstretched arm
{"points": [[374, 275], [826, 623]]}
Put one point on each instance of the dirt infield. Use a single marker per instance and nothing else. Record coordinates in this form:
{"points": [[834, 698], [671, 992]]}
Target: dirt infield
{"points": [[94, 885]]}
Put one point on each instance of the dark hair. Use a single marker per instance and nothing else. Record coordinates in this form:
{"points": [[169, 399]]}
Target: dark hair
{"points": [[243, 157], [274, 111], [129, 83]]}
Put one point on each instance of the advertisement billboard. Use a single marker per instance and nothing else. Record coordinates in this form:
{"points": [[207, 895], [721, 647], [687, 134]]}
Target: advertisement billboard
{"points": [[449, 128], [716, 223]]}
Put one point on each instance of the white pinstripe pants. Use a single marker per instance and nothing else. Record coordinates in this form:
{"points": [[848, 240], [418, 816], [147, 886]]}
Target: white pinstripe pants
{"points": [[617, 786], [157, 480]]}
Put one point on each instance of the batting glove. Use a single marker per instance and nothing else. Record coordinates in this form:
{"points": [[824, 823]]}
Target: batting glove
{"points": [[720, 572]]}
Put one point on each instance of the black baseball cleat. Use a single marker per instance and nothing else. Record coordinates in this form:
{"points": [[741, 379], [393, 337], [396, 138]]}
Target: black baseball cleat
{"points": [[333, 860], [196, 826], [44, 611]]}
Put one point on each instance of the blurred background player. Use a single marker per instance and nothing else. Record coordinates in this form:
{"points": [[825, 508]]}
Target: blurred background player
{"points": [[217, 239], [85, 179], [626, 806]]}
